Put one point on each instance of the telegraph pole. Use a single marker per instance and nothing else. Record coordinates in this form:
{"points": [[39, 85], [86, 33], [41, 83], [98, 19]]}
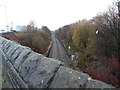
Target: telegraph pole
{"points": [[7, 27], [6, 18]]}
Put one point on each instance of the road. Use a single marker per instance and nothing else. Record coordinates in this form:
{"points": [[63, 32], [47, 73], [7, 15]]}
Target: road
{"points": [[58, 52]]}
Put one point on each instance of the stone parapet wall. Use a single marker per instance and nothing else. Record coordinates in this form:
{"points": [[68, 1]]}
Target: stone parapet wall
{"points": [[24, 68]]}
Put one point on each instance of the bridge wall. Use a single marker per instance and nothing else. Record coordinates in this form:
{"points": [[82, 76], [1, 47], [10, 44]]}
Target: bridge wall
{"points": [[24, 68]]}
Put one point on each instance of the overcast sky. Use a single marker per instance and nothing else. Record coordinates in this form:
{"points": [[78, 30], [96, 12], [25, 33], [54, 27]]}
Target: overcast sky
{"points": [[51, 13]]}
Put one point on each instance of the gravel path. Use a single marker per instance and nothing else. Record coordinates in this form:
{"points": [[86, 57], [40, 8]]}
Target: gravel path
{"points": [[58, 52]]}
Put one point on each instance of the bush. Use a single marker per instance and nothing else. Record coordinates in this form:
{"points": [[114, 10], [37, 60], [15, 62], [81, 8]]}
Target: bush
{"points": [[84, 61], [109, 74], [37, 40]]}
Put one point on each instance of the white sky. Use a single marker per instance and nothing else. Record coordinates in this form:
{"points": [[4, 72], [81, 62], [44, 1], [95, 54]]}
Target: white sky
{"points": [[51, 13]]}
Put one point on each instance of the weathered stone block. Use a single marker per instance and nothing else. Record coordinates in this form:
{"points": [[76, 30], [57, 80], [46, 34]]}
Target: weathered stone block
{"points": [[29, 65], [14, 75], [45, 71], [11, 51], [3, 40], [21, 58], [6, 45], [97, 84], [68, 78], [16, 51]]}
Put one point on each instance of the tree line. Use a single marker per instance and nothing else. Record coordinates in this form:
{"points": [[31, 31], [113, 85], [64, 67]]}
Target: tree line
{"points": [[97, 43]]}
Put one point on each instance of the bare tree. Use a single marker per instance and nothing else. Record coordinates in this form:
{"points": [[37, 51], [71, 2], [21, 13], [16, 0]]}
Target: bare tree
{"points": [[108, 24]]}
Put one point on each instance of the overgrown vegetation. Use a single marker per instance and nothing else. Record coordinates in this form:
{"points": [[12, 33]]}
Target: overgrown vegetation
{"points": [[37, 39], [97, 43]]}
